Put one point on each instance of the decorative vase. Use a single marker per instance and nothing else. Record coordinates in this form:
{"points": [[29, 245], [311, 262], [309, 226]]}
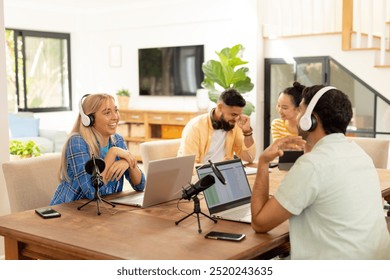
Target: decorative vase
{"points": [[123, 102], [202, 99]]}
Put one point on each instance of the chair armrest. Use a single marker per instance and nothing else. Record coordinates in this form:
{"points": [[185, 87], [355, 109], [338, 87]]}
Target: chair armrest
{"points": [[58, 137]]}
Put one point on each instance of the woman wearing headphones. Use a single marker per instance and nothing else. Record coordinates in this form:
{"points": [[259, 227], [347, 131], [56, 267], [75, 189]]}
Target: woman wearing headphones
{"points": [[94, 136]]}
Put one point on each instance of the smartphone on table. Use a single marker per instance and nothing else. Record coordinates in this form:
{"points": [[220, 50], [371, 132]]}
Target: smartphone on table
{"points": [[48, 213], [225, 236]]}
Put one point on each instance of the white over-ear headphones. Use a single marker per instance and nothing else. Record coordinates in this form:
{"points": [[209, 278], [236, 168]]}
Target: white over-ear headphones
{"points": [[308, 121], [86, 120]]}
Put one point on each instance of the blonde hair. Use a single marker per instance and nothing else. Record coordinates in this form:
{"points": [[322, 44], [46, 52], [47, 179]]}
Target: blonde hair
{"points": [[90, 105]]}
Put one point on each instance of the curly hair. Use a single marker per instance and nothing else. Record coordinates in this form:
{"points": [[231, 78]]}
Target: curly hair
{"points": [[232, 97], [334, 108]]}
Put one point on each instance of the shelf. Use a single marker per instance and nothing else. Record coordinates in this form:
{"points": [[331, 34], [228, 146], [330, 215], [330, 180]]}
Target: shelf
{"points": [[138, 126]]}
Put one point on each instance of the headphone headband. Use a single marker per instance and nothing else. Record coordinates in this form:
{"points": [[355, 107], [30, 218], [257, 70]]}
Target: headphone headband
{"points": [[306, 122]]}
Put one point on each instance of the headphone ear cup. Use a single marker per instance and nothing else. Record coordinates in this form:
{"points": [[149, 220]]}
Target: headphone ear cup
{"points": [[86, 120], [308, 123], [214, 123], [91, 120], [313, 123], [305, 123]]}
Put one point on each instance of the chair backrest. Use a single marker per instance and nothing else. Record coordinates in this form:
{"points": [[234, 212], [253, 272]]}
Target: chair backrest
{"points": [[159, 149], [376, 148], [31, 182]]}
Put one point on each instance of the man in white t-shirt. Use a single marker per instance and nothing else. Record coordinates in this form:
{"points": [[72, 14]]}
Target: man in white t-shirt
{"points": [[331, 195]]}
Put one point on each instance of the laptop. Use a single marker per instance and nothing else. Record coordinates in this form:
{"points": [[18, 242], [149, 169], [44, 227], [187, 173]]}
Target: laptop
{"points": [[164, 182], [231, 201], [288, 159]]}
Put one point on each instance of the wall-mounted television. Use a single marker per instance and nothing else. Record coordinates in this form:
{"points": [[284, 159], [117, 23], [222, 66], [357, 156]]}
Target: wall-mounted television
{"points": [[170, 71]]}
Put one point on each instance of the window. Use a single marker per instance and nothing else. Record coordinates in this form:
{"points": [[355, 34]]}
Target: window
{"points": [[370, 109], [38, 71]]}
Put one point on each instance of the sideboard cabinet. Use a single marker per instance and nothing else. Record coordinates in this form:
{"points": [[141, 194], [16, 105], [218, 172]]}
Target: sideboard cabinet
{"points": [[138, 126]]}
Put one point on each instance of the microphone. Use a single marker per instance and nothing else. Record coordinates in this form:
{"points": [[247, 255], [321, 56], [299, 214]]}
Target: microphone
{"points": [[95, 166], [217, 173], [193, 189]]}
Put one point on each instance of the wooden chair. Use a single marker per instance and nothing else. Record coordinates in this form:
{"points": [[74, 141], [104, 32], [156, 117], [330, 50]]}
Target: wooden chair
{"points": [[159, 149], [31, 182], [376, 148]]}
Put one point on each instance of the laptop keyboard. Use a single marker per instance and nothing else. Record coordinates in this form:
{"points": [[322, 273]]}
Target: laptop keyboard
{"points": [[239, 212]]}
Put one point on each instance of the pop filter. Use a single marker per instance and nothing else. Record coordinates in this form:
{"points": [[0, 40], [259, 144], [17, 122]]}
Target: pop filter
{"points": [[217, 173], [94, 163]]}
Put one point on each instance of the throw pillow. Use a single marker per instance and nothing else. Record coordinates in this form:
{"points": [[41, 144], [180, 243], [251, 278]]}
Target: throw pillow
{"points": [[23, 126]]}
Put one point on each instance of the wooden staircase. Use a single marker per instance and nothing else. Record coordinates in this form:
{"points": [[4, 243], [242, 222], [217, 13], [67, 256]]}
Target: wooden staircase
{"points": [[353, 40]]}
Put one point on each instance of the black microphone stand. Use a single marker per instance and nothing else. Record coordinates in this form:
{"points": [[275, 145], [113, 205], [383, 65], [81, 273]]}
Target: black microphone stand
{"points": [[97, 183], [196, 211]]}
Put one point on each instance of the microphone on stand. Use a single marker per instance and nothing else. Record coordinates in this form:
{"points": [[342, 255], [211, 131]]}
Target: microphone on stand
{"points": [[193, 189], [94, 167]]}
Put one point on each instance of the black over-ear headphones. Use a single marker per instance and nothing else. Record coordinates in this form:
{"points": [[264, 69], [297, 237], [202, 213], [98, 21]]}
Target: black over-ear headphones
{"points": [[308, 121], [216, 124], [86, 120]]}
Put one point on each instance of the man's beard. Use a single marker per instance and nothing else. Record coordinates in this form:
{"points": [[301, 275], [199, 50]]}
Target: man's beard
{"points": [[225, 124]]}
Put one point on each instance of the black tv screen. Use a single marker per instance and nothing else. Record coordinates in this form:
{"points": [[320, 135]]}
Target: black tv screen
{"points": [[170, 71]]}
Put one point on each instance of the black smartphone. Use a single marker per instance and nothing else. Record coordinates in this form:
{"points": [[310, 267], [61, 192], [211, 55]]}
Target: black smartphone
{"points": [[47, 213], [225, 236]]}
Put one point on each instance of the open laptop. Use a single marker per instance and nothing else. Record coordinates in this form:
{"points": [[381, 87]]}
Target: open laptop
{"points": [[164, 182], [230, 201], [288, 159]]}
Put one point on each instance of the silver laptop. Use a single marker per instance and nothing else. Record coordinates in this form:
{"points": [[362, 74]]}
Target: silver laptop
{"points": [[164, 182], [288, 159], [230, 201]]}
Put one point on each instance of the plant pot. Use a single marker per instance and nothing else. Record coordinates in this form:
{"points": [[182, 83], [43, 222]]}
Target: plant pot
{"points": [[202, 100], [123, 102]]}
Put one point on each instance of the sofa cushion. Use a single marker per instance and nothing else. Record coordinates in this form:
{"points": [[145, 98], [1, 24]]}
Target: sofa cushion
{"points": [[45, 144], [23, 126]]}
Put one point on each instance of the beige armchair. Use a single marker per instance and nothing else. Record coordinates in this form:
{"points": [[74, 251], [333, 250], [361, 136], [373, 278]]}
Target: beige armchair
{"points": [[159, 149], [31, 182], [376, 148]]}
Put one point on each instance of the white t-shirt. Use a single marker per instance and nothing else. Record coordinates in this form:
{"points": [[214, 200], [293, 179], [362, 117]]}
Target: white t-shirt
{"points": [[216, 151], [334, 194]]}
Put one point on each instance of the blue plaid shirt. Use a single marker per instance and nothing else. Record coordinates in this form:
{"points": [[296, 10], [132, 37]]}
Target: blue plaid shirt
{"points": [[80, 185]]}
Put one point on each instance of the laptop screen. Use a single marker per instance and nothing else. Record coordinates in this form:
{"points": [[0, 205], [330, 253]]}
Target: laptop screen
{"points": [[236, 192]]}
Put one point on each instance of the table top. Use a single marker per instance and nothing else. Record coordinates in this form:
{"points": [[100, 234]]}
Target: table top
{"points": [[126, 232]]}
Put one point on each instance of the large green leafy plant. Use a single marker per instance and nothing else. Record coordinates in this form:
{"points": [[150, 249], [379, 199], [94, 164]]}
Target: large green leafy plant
{"points": [[227, 73]]}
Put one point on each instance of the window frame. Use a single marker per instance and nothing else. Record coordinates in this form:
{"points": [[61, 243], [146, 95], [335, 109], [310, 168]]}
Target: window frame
{"points": [[39, 34]]}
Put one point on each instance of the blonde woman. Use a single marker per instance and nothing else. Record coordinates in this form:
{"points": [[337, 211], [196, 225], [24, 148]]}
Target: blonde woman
{"points": [[94, 134]]}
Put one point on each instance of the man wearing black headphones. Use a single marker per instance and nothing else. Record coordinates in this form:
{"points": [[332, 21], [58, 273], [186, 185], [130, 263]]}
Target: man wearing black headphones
{"points": [[331, 195], [220, 134]]}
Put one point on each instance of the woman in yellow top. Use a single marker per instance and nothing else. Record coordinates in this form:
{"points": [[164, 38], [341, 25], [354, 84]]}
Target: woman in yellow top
{"points": [[287, 106]]}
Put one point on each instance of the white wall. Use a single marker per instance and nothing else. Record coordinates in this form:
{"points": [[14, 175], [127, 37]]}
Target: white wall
{"points": [[4, 148], [132, 25]]}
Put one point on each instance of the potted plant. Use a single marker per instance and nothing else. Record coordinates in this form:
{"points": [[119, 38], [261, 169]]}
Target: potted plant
{"points": [[21, 149], [123, 98], [223, 74]]}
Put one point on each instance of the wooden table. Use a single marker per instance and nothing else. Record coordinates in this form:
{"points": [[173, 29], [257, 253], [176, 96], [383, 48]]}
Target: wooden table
{"points": [[126, 232]]}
